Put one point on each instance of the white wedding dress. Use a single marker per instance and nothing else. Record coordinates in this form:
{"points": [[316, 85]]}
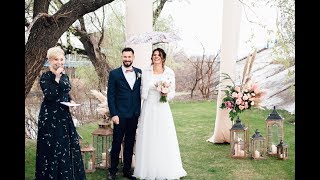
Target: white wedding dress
{"points": [[157, 150]]}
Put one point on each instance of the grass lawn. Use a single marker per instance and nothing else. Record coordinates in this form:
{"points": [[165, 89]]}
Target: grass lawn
{"points": [[194, 123]]}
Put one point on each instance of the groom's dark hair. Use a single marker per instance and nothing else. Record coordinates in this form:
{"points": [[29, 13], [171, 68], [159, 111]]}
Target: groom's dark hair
{"points": [[126, 49]]}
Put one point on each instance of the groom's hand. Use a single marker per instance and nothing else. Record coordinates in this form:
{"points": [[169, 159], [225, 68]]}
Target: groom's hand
{"points": [[115, 119]]}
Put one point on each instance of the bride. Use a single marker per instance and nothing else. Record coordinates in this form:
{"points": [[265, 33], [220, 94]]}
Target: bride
{"points": [[157, 149]]}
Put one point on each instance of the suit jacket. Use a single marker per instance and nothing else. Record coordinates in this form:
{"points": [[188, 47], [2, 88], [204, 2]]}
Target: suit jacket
{"points": [[122, 100]]}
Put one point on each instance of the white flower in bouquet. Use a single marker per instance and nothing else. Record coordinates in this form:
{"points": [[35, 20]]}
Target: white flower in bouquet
{"points": [[163, 86]]}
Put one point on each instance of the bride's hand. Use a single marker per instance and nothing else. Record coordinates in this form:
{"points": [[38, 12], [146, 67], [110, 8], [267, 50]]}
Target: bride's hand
{"points": [[164, 94]]}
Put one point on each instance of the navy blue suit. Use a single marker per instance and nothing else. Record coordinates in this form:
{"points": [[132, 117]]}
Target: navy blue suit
{"points": [[125, 103]]}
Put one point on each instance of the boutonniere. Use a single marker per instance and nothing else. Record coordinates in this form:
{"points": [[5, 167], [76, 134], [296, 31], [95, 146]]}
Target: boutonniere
{"points": [[138, 75]]}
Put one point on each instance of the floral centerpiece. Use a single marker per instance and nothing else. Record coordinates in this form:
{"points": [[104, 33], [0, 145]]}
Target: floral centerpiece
{"points": [[239, 98], [163, 86]]}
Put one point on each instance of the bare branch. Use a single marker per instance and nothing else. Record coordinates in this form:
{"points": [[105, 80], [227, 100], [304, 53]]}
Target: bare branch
{"points": [[244, 9], [157, 11], [117, 17]]}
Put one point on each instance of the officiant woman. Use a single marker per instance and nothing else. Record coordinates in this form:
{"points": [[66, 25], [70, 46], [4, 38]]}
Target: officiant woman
{"points": [[58, 154]]}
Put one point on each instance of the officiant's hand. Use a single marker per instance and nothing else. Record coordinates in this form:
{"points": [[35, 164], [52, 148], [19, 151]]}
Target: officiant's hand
{"points": [[115, 119], [73, 108]]}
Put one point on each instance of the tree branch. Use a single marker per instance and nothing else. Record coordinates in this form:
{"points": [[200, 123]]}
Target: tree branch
{"points": [[157, 11]]}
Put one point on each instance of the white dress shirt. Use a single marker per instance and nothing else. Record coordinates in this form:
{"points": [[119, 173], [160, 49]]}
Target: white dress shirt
{"points": [[130, 76]]}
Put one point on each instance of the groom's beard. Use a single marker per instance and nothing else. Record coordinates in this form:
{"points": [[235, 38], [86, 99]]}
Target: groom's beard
{"points": [[127, 63]]}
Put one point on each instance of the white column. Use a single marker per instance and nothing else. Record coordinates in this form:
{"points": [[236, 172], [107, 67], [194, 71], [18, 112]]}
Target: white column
{"points": [[229, 50], [139, 17]]}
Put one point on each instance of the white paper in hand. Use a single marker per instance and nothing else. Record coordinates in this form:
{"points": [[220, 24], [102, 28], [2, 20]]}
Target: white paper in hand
{"points": [[70, 104]]}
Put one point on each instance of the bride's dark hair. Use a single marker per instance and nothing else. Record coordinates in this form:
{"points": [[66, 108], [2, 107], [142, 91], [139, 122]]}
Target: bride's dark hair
{"points": [[162, 54]]}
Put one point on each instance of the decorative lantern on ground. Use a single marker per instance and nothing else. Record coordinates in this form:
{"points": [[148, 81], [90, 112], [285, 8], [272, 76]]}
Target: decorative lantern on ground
{"points": [[101, 140], [282, 150], [88, 158], [275, 131], [258, 146], [239, 140]]}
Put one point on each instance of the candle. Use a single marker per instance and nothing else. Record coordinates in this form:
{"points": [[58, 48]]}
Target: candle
{"points": [[90, 164], [104, 155], [281, 156], [236, 149], [241, 153], [256, 154], [104, 162], [273, 149]]}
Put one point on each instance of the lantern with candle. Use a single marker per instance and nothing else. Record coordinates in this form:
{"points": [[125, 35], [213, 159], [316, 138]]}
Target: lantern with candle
{"points": [[239, 140], [275, 131], [101, 140], [282, 150], [258, 147], [88, 157]]}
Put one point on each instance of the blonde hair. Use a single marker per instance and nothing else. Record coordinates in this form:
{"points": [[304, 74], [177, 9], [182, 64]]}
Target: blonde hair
{"points": [[54, 51]]}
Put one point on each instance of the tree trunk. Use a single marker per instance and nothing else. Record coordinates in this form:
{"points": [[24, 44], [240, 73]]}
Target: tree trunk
{"points": [[46, 31], [40, 6], [91, 44]]}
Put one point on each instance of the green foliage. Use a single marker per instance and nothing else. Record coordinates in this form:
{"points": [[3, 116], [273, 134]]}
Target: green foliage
{"points": [[114, 34], [88, 76], [194, 122], [284, 49], [165, 24]]}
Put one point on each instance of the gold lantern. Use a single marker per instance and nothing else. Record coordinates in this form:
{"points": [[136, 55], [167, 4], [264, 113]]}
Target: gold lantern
{"points": [[282, 150], [258, 147], [88, 158], [275, 131], [239, 140], [101, 140]]}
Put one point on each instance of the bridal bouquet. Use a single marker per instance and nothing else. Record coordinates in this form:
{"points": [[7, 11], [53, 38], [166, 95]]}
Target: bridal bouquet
{"points": [[163, 87]]}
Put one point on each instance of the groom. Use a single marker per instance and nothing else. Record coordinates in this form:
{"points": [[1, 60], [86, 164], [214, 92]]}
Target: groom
{"points": [[124, 105]]}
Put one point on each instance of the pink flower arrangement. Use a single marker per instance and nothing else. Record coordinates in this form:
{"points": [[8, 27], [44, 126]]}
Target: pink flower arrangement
{"points": [[163, 88], [240, 98]]}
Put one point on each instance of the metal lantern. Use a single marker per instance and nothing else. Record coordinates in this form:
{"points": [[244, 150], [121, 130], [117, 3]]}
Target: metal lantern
{"points": [[101, 140], [275, 131], [258, 146], [239, 140], [88, 158], [282, 150]]}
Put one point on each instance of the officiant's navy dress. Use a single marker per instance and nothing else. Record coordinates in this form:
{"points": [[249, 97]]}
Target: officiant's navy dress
{"points": [[58, 151]]}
